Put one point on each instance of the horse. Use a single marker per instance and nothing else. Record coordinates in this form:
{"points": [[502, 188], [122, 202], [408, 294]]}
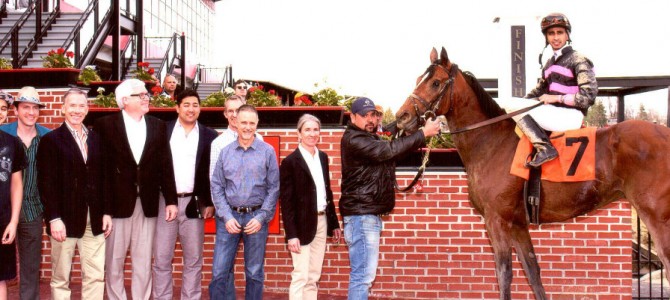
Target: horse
{"points": [[631, 163]]}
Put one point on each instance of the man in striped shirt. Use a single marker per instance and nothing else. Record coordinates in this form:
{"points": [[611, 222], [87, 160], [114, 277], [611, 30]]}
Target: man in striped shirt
{"points": [[27, 110]]}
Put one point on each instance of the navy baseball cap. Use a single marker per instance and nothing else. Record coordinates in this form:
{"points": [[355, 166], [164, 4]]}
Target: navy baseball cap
{"points": [[362, 106]]}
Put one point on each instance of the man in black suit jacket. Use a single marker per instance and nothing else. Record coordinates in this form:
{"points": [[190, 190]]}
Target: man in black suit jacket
{"points": [[308, 210], [69, 177], [190, 147], [137, 166]]}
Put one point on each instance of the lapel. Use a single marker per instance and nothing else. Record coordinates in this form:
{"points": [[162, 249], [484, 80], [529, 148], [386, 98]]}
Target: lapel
{"points": [[120, 128], [71, 143], [201, 144], [324, 163]]}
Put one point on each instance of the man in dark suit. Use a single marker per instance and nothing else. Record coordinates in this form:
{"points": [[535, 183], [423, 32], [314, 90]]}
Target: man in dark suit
{"points": [[137, 166], [308, 210], [69, 179], [190, 146]]}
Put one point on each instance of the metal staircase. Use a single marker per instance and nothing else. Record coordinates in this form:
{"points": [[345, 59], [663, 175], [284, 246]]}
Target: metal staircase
{"points": [[58, 32]]}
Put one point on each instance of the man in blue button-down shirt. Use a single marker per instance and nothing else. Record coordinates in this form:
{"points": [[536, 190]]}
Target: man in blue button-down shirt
{"points": [[245, 188]]}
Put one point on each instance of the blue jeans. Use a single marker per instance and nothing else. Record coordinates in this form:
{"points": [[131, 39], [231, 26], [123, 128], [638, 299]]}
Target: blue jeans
{"points": [[225, 249], [362, 233]]}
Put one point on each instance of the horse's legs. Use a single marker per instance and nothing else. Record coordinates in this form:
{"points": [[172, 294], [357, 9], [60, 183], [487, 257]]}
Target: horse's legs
{"points": [[659, 231], [526, 254], [502, 253]]}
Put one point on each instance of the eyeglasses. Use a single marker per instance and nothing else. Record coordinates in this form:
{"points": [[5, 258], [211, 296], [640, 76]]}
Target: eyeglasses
{"points": [[141, 95], [241, 87], [6, 96]]}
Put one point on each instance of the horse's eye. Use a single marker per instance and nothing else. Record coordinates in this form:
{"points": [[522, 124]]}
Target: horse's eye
{"points": [[436, 83]]}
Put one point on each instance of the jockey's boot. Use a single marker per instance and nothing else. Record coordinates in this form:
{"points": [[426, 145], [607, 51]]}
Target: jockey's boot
{"points": [[545, 151]]}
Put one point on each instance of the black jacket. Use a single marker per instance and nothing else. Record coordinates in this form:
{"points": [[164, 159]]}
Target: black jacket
{"points": [[70, 187], [122, 176], [201, 181], [298, 198], [368, 170]]}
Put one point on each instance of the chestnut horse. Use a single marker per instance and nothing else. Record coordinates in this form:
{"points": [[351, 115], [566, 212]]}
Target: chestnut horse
{"points": [[632, 163]]}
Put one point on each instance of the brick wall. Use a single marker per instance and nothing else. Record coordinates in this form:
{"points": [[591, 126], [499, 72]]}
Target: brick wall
{"points": [[434, 245]]}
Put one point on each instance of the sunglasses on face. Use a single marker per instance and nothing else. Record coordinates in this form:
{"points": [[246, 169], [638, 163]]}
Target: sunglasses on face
{"points": [[6, 97], [241, 87]]}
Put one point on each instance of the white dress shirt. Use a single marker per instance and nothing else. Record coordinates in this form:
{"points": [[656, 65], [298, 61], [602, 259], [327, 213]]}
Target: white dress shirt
{"points": [[137, 134], [314, 165], [184, 150]]}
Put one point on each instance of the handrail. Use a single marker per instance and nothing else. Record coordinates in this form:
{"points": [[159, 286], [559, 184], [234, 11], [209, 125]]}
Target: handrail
{"points": [[39, 35], [126, 66], [80, 23], [14, 32], [196, 77], [166, 59], [101, 31]]}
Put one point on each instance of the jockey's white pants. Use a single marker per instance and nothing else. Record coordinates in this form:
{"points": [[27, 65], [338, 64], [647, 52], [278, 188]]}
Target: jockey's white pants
{"points": [[549, 117]]}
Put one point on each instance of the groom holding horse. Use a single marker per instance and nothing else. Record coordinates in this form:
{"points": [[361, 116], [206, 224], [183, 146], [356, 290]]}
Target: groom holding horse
{"points": [[368, 177]]}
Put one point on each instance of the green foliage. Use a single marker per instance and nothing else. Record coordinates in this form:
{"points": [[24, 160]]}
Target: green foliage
{"points": [[88, 74], [216, 99], [103, 100], [388, 116], [58, 58], [258, 97], [158, 100], [446, 142], [5, 64], [327, 97], [596, 115]]}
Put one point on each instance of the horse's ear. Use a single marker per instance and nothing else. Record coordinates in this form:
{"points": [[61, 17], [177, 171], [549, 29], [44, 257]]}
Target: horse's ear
{"points": [[443, 56], [433, 56]]}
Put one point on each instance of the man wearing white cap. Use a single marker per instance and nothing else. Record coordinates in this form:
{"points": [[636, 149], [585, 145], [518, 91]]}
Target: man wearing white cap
{"points": [[27, 110]]}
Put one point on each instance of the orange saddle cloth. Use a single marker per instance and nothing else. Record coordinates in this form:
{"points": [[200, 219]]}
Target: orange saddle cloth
{"points": [[576, 157]]}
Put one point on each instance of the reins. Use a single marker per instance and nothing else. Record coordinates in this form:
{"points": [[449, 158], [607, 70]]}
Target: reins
{"points": [[430, 112]]}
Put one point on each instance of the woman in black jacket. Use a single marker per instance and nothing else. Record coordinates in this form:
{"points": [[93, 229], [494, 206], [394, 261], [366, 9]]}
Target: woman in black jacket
{"points": [[308, 211]]}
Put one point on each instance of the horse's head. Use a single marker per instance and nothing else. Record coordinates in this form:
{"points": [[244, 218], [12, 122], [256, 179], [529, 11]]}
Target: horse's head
{"points": [[432, 94]]}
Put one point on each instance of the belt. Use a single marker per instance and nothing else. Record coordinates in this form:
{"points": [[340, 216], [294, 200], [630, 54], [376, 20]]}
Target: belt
{"points": [[245, 209], [321, 213], [184, 195]]}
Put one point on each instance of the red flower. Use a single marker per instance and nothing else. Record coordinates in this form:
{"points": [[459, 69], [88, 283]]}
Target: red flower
{"points": [[387, 133], [261, 87], [272, 92], [51, 52], [139, 64], [252, 89], [307, 101], [61, 51], [151, 71], [70, 54], [156, 90]]}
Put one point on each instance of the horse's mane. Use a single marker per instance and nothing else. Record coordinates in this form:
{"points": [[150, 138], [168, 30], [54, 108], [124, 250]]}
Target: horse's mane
{"points": [[490, 108]]}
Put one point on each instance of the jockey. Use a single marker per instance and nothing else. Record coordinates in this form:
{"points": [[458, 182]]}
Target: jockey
{"points": [[568, 88]]}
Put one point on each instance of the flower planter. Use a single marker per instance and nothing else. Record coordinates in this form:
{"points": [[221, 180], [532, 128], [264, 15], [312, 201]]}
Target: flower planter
{"points": [[269, 117], [447, 159], [38, 78]]}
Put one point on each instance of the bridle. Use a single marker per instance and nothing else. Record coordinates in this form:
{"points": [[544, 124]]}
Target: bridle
{"points": [[431, 107], [431, 112]]}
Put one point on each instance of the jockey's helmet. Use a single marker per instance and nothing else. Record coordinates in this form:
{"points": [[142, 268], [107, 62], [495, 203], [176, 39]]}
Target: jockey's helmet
{"points": [[553, 20]]}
